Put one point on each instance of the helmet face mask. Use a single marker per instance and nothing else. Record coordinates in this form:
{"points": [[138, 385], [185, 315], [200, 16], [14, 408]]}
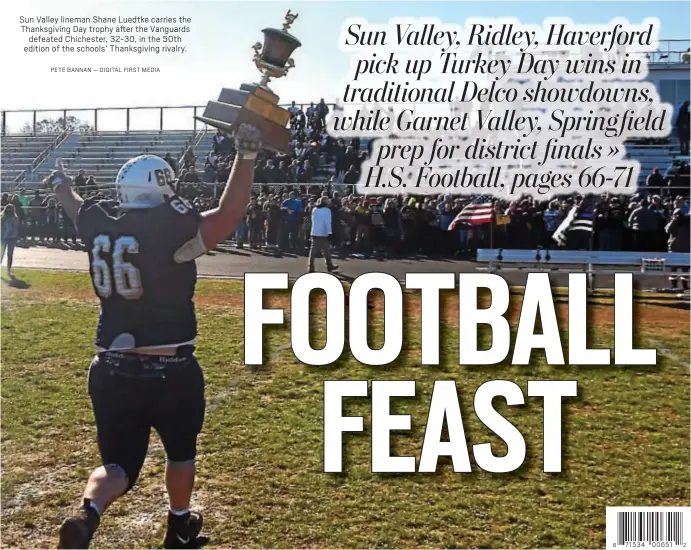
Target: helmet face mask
{"points": [[144, 182]]}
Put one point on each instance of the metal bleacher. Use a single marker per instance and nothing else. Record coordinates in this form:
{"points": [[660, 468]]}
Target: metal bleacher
{"points": [[27, 160], [20, 154], [103, 154]]}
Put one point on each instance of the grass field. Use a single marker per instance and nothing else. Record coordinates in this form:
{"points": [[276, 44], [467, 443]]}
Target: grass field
{"points": [[261, 480]]}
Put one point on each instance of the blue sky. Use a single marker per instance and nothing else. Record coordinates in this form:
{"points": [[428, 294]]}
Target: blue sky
{"points": [[224, 31]]}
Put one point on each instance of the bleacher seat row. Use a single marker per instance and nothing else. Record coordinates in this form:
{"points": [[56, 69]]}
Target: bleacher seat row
{"points": [[102, 154]]}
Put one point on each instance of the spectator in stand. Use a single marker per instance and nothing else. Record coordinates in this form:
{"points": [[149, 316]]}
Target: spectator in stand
{"points": [[5, 200], [306, 175], [218, 142], [350, 178], [322, 110], [684, 127], [678, 231], [267, 174], [325, 143], [223, 172], [172, 162], [80, 183], [91, 187], [677, 180], [654, 182], [191, 176], [190, 159], [181, 189], [10, 234], [300, 151], [293, 171], [282, 173], [293, 109], [311, 110], [209, 175]]}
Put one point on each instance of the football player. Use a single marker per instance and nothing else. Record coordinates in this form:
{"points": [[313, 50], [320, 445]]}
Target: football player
{"points": [[141, 255]]}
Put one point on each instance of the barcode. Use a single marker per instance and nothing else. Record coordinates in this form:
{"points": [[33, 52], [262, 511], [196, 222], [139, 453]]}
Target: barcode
{"points": [[647, 526]]}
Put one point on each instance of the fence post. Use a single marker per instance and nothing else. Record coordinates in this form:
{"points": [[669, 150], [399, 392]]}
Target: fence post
{"points": [[4, 121], [95, 120], [194, 118], [160, 127], [34, 124], [127, 119], [64, 120]]}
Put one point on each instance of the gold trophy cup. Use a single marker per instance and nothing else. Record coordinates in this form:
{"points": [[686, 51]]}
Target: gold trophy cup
{"points": [[255, 103]]}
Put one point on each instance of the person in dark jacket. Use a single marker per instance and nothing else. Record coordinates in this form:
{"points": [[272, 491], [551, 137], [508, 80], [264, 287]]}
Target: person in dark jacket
{"points": [[654, 182], [678, 230], [683, 128], [643, 224]]}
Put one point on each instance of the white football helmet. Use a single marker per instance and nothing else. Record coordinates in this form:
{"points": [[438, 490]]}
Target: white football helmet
{"points": [[144, 182]]}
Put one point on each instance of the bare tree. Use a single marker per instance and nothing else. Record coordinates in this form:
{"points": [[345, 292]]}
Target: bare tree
{"points": [[57, 125]]}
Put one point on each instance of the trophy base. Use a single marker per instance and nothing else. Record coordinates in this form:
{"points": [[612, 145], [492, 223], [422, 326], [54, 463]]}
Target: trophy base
{"points": [[252, 104], [274, 138]]}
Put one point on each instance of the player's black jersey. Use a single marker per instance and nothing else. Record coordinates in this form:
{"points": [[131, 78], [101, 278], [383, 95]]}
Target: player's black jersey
{"points": [[147, 299]]}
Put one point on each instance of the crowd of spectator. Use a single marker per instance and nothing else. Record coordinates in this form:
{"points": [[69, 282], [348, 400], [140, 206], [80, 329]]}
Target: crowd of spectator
{"points": [[312, 152], [412, 225], [319, 167]]}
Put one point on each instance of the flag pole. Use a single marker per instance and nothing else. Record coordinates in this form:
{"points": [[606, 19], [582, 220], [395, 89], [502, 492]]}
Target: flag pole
{"points": [[491, 227]]}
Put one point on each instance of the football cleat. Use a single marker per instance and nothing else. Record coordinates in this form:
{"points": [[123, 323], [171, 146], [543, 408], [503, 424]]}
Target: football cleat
{"points": [[183, 532], [77, 531]]}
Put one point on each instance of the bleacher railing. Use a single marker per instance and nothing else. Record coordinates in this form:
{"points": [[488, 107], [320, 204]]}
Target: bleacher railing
{"points": [[129, 119]]}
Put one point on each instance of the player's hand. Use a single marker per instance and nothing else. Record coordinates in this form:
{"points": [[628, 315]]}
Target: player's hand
{"points": [[248, 141]]}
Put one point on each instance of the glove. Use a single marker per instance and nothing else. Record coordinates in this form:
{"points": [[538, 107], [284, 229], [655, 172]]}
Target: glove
{"points": [[248, 141]]}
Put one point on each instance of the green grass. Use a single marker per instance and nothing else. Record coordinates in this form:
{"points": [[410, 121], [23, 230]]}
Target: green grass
{"points": [[261, 480]]}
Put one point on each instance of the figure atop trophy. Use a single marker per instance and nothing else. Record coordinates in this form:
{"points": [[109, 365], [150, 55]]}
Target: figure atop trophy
{"points": [[256, 103]]}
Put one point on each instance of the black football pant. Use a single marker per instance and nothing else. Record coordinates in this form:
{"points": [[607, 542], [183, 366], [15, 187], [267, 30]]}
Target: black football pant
{"points": [[133, 393]]}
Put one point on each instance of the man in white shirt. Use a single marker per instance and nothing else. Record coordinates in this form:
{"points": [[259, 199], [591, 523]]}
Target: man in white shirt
{"points": [[321, 230]]}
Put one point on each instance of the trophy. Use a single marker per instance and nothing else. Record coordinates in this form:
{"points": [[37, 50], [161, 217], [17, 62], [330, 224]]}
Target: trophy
{"points": [[256, 104]]}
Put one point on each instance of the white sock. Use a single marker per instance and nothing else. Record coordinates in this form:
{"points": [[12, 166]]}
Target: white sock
{"points": [[95, 508], [180, 512]]}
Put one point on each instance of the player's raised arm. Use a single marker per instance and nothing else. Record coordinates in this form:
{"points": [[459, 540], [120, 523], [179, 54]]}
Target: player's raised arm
{"points": [[62, 187], [219, 222]]}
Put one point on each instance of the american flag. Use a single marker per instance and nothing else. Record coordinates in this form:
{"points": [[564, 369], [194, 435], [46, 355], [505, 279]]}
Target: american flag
{"points": [[476, 213], [575, 221]]}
